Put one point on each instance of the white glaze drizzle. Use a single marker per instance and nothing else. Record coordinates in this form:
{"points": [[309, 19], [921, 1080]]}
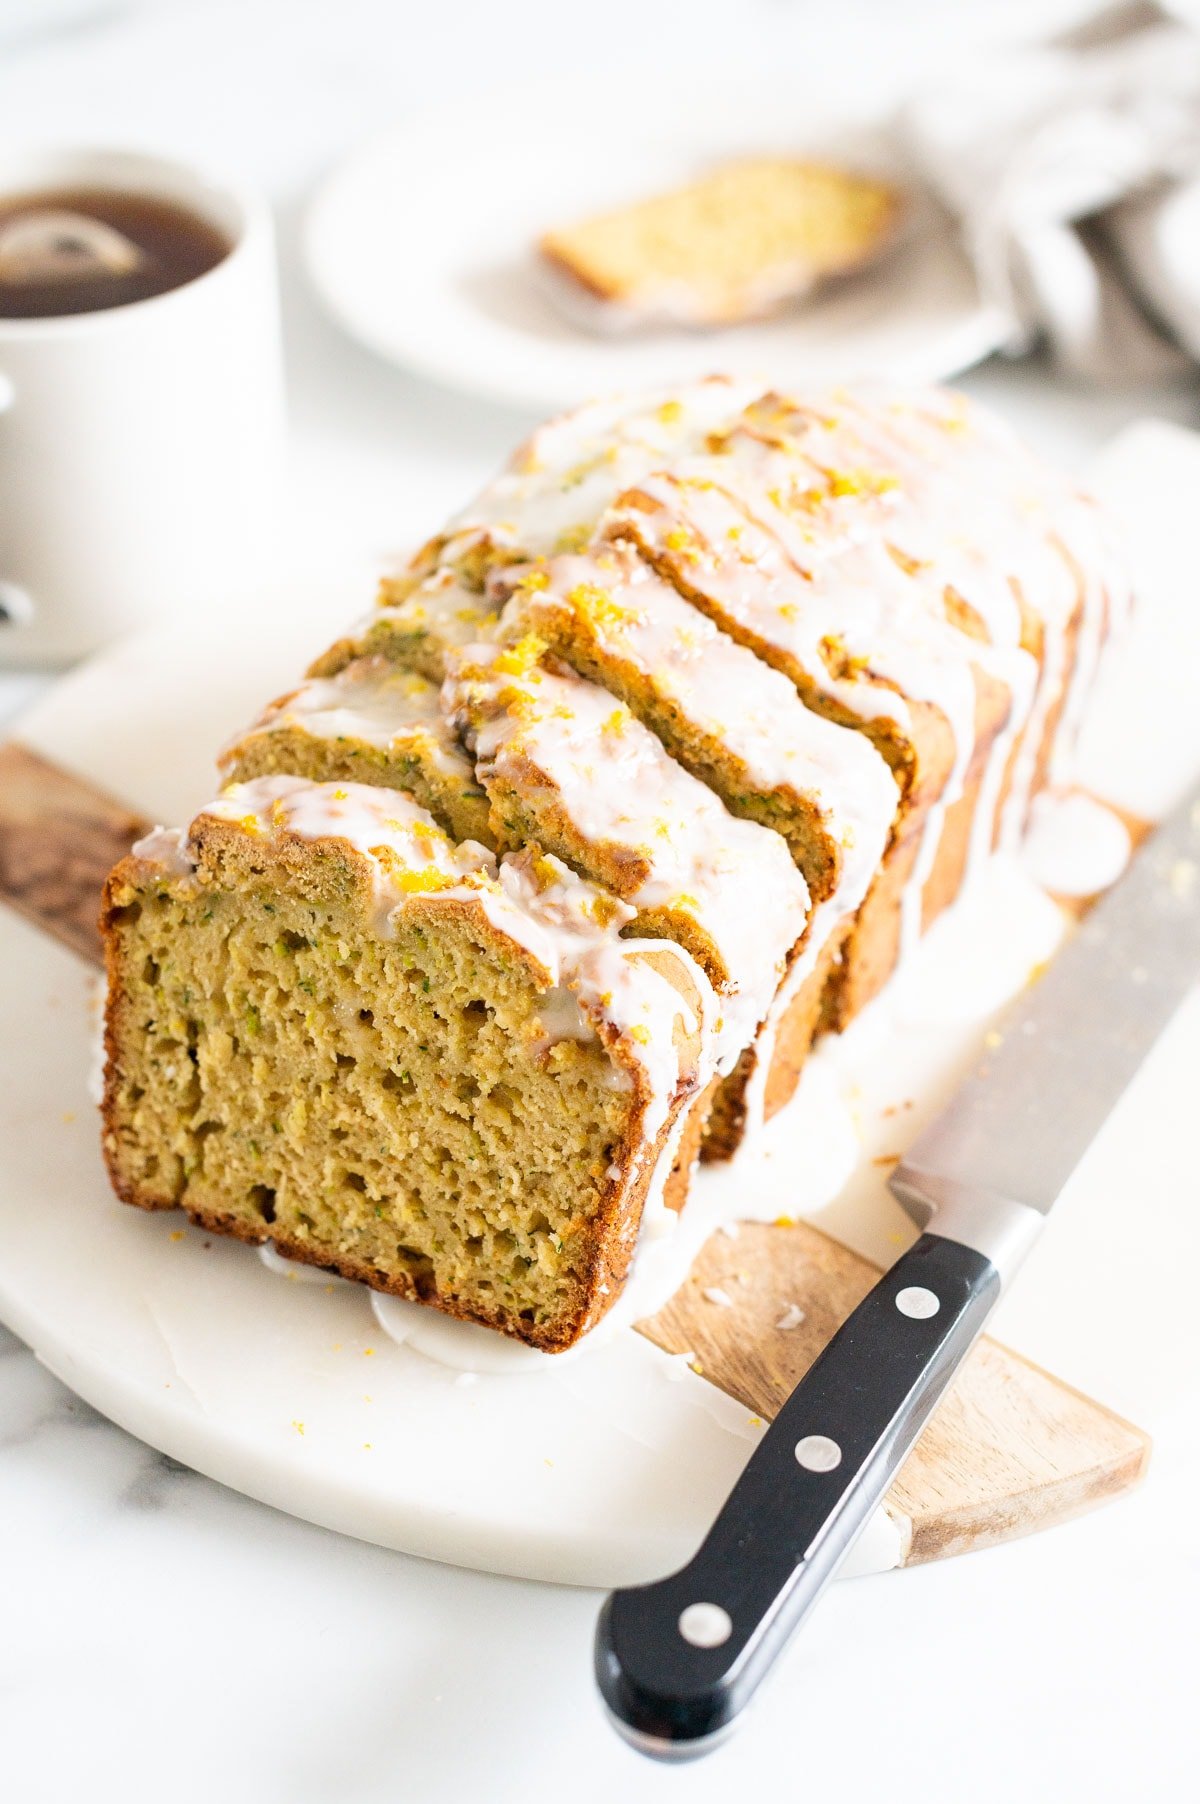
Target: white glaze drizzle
{"points": [[579, 941], [442, 607], [857, 606], [626, 795], [564, 476], [166, 846], [553, 491], [749, 712], [402, 845], [887, 504], [370, 701]]}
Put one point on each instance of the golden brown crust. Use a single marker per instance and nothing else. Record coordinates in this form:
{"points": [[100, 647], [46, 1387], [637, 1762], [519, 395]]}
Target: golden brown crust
{"points": [[791, 1042]]}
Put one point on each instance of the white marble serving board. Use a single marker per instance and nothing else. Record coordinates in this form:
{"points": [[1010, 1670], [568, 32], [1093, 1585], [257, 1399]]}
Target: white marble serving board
{"points": [[607, 1468]]}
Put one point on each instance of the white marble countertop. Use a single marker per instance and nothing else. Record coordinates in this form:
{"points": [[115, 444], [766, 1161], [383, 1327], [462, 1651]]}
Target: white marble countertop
{"points": [[164, 1638]]}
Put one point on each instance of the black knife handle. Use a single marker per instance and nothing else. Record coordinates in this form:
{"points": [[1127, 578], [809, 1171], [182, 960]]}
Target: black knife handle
{"points": [[677, 1660]]}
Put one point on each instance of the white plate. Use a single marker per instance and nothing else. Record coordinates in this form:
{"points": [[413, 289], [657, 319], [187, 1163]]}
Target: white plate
{"points": [[421, 245], [608, 1469]]}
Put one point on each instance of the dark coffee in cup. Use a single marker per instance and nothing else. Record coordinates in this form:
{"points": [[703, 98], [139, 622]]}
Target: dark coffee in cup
{"points": [[84, 250]]}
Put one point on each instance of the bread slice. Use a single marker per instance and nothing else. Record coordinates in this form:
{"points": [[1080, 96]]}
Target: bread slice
{"points": [[736, 243], [371, 723], [567, 767], [332, 1029]]}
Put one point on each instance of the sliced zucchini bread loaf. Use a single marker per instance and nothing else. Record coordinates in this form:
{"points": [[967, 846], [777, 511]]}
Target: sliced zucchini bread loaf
{"points": [[650, 767]]}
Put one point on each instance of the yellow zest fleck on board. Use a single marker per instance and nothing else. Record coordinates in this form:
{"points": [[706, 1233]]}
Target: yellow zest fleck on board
{"points": [[178, 1233], [299, 1427], [671, 412]]}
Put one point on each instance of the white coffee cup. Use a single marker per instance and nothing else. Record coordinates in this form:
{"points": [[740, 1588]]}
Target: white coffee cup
{"points": [[140, 446]]}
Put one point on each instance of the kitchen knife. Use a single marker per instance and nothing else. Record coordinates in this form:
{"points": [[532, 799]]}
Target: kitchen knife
{"points": [[677, 1660]]}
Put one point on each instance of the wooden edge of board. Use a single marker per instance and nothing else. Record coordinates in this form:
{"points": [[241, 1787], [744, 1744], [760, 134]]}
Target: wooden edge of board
{"points": [[1010, 1450], [59, 838]]}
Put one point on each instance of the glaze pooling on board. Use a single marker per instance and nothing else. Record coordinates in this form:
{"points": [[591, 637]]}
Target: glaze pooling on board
{"points": [[1075, 846]]}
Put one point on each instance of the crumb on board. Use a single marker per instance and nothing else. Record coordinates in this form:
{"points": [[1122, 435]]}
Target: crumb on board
{"points": [[714, 1294]]}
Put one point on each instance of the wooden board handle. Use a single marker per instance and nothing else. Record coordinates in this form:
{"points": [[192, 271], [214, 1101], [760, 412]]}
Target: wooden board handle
{"points": [[59, 838]]}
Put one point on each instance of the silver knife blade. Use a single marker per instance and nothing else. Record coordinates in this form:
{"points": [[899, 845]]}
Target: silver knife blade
{"points": [[995, 1160]]}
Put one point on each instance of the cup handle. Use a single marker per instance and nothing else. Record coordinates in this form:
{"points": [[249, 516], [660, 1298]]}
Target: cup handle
{"points": [[16, 603]]}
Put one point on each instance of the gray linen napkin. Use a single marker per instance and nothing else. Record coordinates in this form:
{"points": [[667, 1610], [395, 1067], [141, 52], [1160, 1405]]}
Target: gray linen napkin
{"points": [[1073, 168]]}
